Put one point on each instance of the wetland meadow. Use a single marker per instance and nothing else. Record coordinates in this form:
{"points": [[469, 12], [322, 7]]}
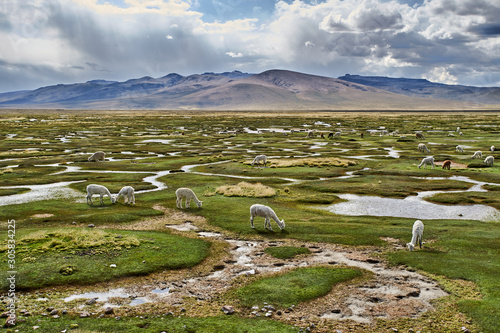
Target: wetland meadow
{"points": [[340, 265]]}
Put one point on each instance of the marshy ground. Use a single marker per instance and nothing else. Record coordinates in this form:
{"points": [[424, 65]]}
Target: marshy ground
{"points": [[341, 263]]}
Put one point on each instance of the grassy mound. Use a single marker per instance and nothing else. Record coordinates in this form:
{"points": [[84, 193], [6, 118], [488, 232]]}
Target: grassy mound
{"points": [[64, 256], [244, 189], [297, 286], [286, 252]]}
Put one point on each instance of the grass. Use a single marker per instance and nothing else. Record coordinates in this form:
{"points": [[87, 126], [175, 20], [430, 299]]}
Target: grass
{"points": [[294, 287], [166, 323], [455, 249], [286, 252], [80, 256], [245, 189]]}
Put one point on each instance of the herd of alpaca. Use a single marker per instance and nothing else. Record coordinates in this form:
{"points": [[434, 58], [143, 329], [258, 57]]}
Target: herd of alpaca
{"points": [[259, 210]]}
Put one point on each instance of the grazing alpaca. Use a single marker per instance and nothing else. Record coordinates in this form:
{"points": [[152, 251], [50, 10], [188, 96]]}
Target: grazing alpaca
{"points": [[310, 134], [97, 156], [128, 194], [188, 194], [423, 148], [330, 135], [268, 214], [427, 160], [337, 134], [447, 164], [417, 235], [98, 189], [459, 149], [259, 158], [492, 148], [419, 135], [477, 154], [489, 160]]}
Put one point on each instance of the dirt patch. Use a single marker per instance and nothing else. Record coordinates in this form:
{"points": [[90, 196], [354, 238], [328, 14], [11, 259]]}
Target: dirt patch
{"points": [[383, 292], [454, 165], [41, 216]]}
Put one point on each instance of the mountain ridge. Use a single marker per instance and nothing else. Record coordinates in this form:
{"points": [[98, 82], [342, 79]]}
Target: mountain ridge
{"points": [[274, 89]]}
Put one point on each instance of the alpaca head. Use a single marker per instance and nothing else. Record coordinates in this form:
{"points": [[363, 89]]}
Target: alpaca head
{"points": [[199, 203], [281, 224], [410, 246]]}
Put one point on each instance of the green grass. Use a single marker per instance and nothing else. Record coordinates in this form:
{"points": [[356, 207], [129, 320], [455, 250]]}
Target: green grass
{"points": [[455, 249], [174, 324], [78, 256], [286, 252], [294, 287]]}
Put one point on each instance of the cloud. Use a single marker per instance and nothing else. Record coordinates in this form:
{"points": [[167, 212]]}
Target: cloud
{"points": [[234, 55], [58, 41]]}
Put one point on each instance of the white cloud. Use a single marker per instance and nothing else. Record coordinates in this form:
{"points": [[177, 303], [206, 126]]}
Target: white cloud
{"points": [[234, 55], [440, 39]]}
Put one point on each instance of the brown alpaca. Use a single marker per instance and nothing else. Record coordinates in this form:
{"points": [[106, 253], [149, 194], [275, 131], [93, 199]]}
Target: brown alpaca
{"points": [[447, 164]]}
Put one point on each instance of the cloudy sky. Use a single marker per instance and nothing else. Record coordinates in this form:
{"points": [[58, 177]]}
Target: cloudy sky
{"points": [[45, 42]]}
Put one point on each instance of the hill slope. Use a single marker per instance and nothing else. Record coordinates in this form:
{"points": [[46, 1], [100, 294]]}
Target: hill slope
{"points": [[270, 90]]}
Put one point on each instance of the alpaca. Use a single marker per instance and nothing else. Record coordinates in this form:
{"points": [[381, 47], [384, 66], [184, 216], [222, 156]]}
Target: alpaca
{"points": [[477, 154], [489, 160], [268, 214], [459, 149], [337, 134], [128, 194], [310, 134], [97, 156], [330, 135], [492, 148], [417, 235], [98, 189], [423, 148], [427, 160], [419, 135], [447, 164], [188, 194], [259, 158]]}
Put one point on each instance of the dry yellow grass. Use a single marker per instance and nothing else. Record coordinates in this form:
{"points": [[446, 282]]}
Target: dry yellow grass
{"points": [[244, 189], [310, 161]]}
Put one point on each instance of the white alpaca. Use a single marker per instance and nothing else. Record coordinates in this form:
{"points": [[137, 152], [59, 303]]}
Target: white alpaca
{"points": [[260, 158], [97, 156], [417, 235], [459, 149], [268, 214], [337, 135], [188, 194], [477, 154], [419, 135], [98, 189], [423, 148], [458, 129], [128, 194], [489, 160], [492, 148], [310, 134], [427, 160]]}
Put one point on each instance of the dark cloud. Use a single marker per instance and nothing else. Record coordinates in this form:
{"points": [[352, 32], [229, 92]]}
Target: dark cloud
{"points": [[486, 29], [374, 19]]}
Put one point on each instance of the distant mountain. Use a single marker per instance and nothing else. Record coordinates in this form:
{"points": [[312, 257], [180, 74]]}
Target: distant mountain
{"points": [[426, 89], [270, 90]]}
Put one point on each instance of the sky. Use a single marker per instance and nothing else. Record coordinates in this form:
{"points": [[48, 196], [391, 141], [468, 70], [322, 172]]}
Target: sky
{"points": [[46, 42]]}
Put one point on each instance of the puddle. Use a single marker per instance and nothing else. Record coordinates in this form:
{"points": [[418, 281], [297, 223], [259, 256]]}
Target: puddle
{"points": [[415, 206], [163, 141], [41, 192]]}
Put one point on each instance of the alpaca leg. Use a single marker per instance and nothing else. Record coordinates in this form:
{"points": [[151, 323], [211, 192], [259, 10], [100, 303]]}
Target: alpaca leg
{"points": [[178, 203], [133, 199], [268, 221], [89, 198], [251, 222], [101, 199], [188, 202]]}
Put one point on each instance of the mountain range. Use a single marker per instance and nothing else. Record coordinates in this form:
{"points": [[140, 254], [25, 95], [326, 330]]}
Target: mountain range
{"points": [[269, 90]]}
